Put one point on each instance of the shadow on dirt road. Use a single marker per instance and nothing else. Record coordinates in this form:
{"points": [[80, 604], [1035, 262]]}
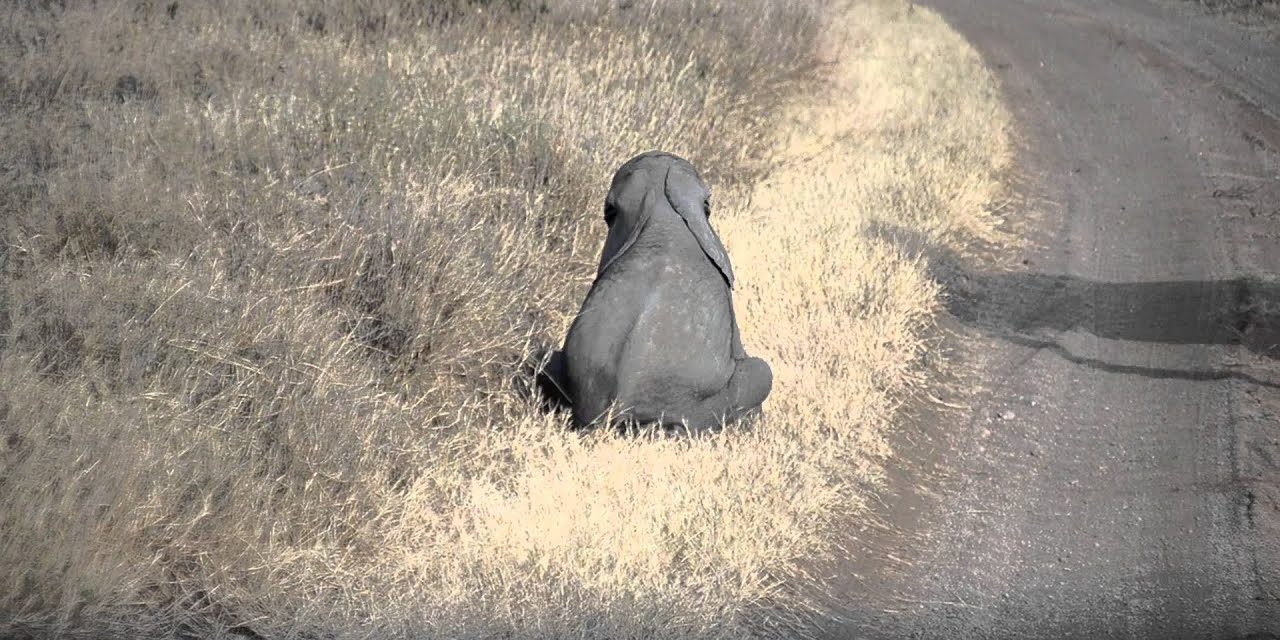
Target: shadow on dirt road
{"points": [[1019, 307]]}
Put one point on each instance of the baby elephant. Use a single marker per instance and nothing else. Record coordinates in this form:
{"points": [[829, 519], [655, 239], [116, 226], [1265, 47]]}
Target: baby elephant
{"points": [[656, 340]]}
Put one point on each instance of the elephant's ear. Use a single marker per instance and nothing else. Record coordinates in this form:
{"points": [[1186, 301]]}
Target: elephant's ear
{"points": [[624, 228], [688, 197]]}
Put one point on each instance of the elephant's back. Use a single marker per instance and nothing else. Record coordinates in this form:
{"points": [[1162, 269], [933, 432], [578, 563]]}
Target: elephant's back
{"points": [[681, 339], [597, 342], [654, 333]]}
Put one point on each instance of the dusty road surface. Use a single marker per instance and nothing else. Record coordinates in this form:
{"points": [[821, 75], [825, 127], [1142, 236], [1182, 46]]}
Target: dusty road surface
{"points": [[1117, 475]]}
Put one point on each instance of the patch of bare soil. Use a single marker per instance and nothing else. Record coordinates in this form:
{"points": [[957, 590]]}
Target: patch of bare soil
{"points": [[1117, 469]]}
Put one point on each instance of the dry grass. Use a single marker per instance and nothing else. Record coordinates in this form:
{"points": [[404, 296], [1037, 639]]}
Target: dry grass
{"points": [[270, 271]]}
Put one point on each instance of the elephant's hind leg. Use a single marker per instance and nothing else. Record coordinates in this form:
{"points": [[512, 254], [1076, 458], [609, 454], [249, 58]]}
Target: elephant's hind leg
{"points": [[750, 384], [748, 387]]}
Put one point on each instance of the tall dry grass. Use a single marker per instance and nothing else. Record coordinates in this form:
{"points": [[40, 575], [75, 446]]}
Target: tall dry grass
{"points": [[270, 272]]}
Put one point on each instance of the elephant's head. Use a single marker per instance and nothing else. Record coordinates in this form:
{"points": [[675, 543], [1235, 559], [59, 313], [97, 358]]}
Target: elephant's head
{"points": [[657, 184]]}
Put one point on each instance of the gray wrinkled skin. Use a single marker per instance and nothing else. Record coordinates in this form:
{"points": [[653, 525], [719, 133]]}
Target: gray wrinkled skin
{"points": [[656, 340]]}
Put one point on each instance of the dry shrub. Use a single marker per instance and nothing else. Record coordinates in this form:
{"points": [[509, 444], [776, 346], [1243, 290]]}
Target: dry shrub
{"points": [[270, 272]]}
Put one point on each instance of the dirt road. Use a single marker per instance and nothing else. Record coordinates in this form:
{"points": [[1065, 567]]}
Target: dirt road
{"points": [[1118, 475]]}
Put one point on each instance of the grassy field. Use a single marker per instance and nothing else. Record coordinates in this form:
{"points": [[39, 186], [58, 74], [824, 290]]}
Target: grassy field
{"points": [[270, 272]]}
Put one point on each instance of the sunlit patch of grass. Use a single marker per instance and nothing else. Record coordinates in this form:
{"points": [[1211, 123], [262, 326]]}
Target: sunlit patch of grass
{"points": [[270, 272]]}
